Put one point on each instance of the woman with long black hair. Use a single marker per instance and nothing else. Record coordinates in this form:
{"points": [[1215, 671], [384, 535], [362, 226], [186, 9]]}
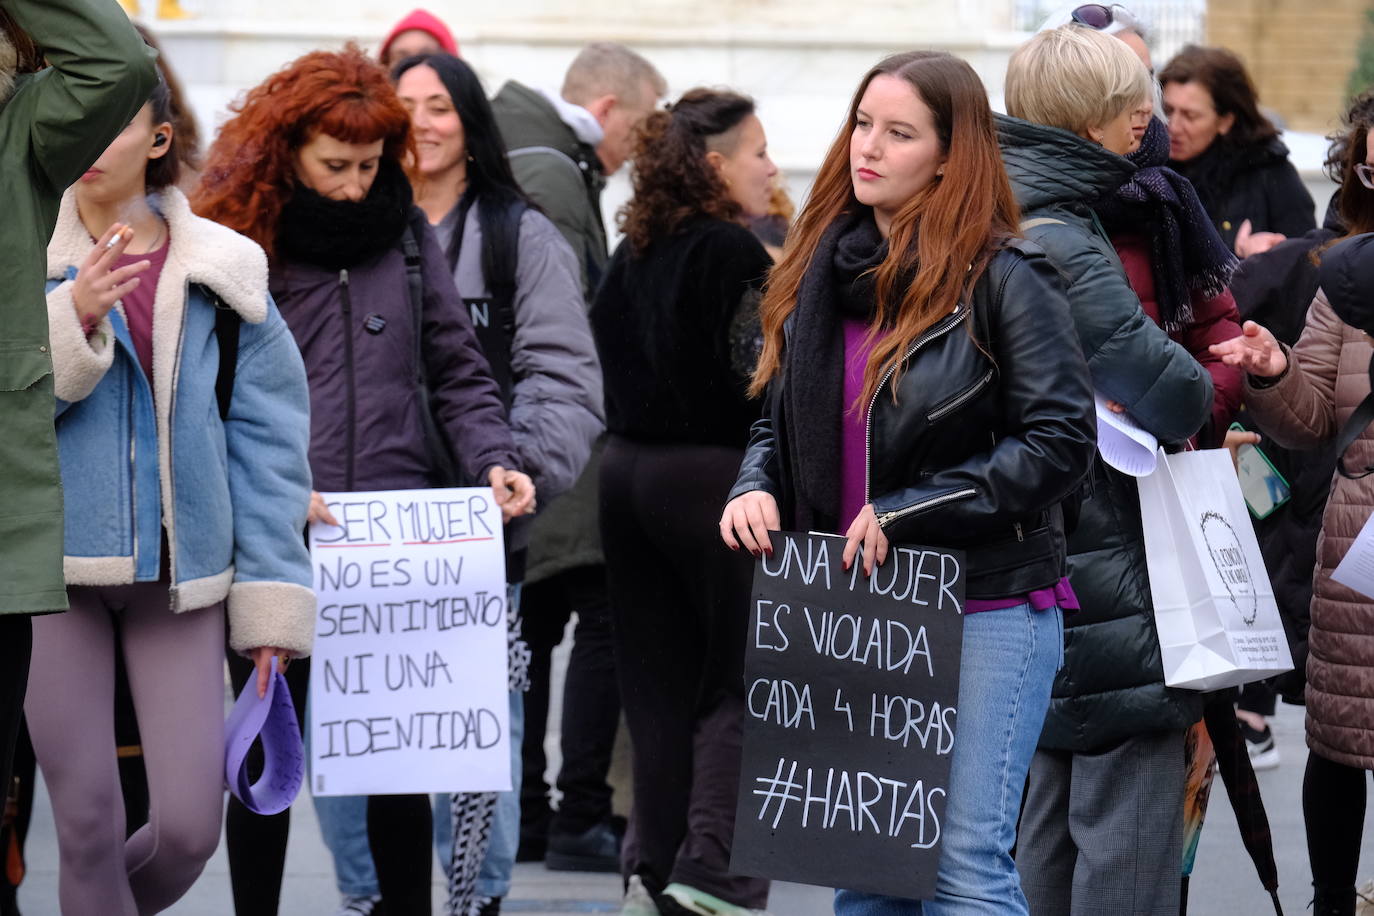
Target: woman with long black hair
{"points": [[519, 280]]}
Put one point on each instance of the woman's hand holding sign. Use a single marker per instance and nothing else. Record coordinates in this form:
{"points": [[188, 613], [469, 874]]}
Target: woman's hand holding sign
{"points": [[747, 520]]}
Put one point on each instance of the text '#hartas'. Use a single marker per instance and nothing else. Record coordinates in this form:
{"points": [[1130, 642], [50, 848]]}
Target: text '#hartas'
{"points": [[836, 800]]}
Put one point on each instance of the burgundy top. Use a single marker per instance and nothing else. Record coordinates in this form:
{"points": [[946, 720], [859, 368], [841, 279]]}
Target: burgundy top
{"points": [[1214, 320], [853, 426], [853, 468], [138, 305]]}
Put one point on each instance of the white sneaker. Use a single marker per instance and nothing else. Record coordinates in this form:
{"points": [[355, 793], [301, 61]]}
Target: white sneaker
{"points": [[1264, 754], [1364, 899], [357, 906], [638, 901], [696, 901]]}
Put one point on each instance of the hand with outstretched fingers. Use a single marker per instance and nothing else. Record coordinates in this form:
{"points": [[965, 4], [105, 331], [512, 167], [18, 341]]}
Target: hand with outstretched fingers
{"points": [[1255, 351]]}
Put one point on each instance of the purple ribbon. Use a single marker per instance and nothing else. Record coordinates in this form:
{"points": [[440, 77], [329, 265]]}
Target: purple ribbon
{"points": [[272, 719]]}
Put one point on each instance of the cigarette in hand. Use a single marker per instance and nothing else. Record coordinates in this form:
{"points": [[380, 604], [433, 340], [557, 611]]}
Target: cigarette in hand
{"points": [[114, 239]]}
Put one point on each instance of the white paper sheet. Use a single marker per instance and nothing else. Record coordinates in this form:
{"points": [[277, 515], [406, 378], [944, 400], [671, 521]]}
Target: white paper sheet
{"points": [[1356, 569], [1122, 443]]}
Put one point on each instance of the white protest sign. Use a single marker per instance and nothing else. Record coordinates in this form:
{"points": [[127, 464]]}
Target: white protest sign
{"points": [[408, 681]]}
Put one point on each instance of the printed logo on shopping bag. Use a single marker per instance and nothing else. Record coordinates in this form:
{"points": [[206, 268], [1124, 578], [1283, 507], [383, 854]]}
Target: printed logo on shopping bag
{"points": [[1228, 556]]}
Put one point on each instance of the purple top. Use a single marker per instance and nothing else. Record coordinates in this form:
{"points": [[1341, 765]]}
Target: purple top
{"points": [[853, 472], [853, 426], [1042, 599]]}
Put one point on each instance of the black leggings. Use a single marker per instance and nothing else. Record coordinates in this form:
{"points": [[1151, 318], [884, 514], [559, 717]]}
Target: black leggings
{"points": [[399, 828], [1333, 802], [256, 843]]}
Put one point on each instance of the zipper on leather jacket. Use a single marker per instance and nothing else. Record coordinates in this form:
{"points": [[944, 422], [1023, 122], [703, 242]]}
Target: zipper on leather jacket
{"points": [[350, 382], [960, 399], [888, 517], [943, 326]]}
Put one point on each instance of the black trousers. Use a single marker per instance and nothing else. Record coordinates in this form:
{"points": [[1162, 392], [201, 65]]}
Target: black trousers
{"points": [[1258, 697], [1333, 805], [591, 702], [256, 843], [399, 830], [16, 644], [680, 603]]}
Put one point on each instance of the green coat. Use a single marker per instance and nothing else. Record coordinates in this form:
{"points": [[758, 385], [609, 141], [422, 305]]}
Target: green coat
{"points": [[563, 176], [53, 125], [558, 172]]}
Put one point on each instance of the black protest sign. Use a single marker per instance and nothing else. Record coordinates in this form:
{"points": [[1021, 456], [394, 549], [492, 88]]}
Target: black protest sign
{"points": [[851, 689]]}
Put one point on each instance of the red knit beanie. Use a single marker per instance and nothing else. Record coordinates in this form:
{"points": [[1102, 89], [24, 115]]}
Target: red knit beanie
{"points": [[424, 21]]}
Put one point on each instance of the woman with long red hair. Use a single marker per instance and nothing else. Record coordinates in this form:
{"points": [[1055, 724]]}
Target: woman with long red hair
{"points": [[926, 386], [311, 168]]}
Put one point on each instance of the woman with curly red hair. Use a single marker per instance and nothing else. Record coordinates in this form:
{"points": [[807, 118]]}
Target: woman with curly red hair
{"points": [[310, 167], [676, 323]]}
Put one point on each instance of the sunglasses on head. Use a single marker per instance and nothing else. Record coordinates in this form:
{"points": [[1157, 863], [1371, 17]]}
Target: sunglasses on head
{"points": [[1100, 16]]}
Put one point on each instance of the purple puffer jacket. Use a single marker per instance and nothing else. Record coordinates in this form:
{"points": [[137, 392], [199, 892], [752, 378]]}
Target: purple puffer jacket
{"points": [[366, 431]]}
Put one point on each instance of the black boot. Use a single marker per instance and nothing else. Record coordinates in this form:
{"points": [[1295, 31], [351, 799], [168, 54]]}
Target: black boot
{"points": [[491, 908], [1333, 901]]}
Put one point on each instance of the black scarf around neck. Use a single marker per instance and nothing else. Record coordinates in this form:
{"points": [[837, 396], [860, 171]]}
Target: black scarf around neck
{"points": [[339, 234], [839, 283], [1187, 255]]}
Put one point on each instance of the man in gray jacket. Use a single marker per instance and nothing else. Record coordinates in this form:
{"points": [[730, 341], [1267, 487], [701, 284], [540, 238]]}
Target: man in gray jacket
{"points": [[562, 146]]}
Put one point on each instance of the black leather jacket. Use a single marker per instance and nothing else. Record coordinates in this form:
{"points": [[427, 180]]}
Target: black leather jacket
{"points": [[993, 427]]}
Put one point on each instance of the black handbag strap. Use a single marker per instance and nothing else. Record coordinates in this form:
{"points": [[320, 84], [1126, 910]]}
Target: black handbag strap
{"points": [[444, 469], [1359, 421]]}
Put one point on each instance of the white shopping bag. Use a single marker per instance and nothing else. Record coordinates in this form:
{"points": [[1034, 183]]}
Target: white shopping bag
{"points": [[1214, 607]]}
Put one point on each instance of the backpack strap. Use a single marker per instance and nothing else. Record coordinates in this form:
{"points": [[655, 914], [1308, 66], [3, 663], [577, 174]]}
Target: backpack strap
{"points": [[415, 286], [505, 261], [1359, 421], [227, 325], [443, 468], [495, 327]]}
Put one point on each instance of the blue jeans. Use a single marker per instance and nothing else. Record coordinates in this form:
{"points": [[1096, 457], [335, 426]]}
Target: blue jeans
{"points": [[1008, 664], [343, 824]]}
